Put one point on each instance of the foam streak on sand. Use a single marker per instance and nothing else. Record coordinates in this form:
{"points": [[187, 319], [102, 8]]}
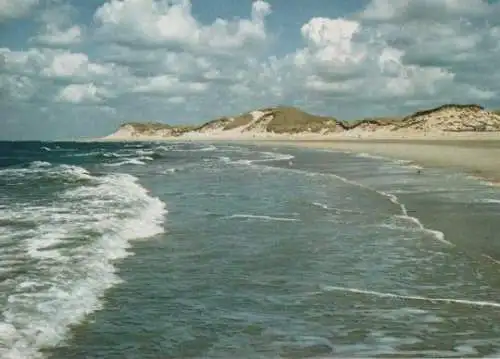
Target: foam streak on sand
{"points": [[60, 266], [477, 303], [438, 235]]}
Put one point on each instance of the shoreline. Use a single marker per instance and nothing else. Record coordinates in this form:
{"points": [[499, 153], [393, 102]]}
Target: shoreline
{"points": [[477, 154], [476, 157]]}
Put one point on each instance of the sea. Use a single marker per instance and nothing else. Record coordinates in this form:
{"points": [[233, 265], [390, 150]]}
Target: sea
{"points": [[216, 250]]}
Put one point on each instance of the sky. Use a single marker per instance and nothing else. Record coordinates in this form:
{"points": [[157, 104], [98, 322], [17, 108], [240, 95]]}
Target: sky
{"points": [[80, 68]]}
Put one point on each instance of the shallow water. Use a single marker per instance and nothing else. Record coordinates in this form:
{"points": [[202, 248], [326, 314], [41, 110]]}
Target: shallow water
{"points": [[161, 250]]}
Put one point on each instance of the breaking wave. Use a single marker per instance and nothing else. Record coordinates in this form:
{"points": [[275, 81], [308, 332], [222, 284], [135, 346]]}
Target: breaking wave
{"points": [[58, 256]]}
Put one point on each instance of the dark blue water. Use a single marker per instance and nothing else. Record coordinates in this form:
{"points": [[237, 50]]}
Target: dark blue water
{"points": [[161, 250]]}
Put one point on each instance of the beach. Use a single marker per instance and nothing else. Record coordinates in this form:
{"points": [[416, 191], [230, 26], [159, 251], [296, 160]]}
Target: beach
{"points": [[479, 157]]}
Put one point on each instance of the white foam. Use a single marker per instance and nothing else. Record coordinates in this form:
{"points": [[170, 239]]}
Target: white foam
{"points": [[496, 261], [39, 164], [335, 209], [439, 236], [489, 200], [321, 205], [268, 157], [262, 217], [130, 161], [47, 170], [67, 282], [477, 303], [45, 148], [367, 155], [208, 149], [202, 149], [141, 152]]}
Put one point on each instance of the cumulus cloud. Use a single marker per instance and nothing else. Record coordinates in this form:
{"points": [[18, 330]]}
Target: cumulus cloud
{"points": [[163, 23], [54, 36], [81, 94], [166, 84], [13, 9], [396, 49], [156, 60], [57, 29], [16, 87], [74, 65], [424, 10], [55, 63]]}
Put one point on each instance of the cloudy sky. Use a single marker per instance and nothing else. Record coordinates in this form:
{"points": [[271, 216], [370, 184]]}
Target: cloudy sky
{"points": [[72, 68]]}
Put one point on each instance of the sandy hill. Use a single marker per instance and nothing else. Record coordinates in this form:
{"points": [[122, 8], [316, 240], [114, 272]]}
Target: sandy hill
{"points": [[148, 129], [276, 120], [292, 121], [446, 118], [452, 118]]}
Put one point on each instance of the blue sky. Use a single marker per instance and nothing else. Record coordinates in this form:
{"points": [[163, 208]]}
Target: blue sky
{"points": [[71, 68]]}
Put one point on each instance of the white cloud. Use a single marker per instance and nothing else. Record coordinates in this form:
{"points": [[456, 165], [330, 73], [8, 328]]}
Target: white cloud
{"points": [[13, 9], [177, 100], [163, 23], [81, 94], [56, 63], [16, 87], [165, 84], [57, 29], [54, 36], [154, 59], [423, 10], [22, 62], [396, 49], [74, 65], [331, 46]]}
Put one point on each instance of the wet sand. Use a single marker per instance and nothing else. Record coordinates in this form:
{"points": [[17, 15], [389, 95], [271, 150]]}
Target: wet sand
{"points": [[476, 157]]}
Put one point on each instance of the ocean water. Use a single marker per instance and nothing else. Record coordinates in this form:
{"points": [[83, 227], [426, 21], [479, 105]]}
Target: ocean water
{"points": [[159, 250]]}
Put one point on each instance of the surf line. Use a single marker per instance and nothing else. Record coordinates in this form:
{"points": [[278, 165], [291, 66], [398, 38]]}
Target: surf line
{"points": [[477, 303]]}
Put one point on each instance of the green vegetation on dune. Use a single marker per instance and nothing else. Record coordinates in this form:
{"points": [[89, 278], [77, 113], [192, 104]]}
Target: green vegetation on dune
{"points": [[473, 107], [213, 124], [293, 120], [148, 128], [372, 121], [284, 119]]}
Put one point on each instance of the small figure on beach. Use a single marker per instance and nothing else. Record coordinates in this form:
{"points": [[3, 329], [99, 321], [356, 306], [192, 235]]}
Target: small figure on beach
{"points": [[419, 171]]}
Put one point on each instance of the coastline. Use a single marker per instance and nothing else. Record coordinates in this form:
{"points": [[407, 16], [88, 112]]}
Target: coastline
{"points": [[475, 153], [475, 156]]}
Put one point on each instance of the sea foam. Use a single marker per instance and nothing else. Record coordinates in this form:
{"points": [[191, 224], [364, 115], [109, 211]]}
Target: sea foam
{"points": [[69, 255]]}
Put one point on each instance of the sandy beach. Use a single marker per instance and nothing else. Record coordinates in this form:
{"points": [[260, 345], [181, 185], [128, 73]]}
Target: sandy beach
{"points": [[478, 157]]}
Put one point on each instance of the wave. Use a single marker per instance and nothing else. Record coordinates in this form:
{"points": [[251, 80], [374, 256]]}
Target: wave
{"points": [[438, 235], [39, 164], [262, 217], [175, 148], [334, 209], [39, 172], [59, 267], [477, 303], [130, 161], [268, 157], [489, 200]]}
